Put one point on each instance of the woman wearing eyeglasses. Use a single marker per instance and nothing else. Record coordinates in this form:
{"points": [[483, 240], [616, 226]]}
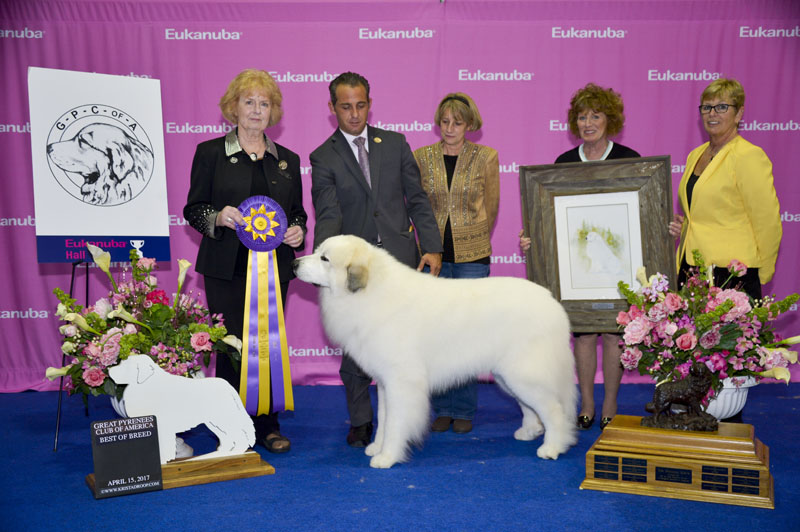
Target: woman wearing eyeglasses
{"points": [[728, 197]]}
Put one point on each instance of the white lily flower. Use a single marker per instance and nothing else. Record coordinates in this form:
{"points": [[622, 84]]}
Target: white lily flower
{"points": [[54, 373], [790, 356], [234, 342], [79, 320], [103, 261], [67, 348], [100, 257], [790, 341], [61, 310], [121, 313], [183, 267], [641, 276], [781, 374]]}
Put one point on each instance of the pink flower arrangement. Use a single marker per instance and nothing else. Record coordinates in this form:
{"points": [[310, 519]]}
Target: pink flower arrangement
{"points": [[666, 331], [136, 317]]}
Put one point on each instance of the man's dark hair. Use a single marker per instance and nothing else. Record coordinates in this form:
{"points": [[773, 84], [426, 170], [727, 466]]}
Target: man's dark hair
{"points": [[348, 78]]}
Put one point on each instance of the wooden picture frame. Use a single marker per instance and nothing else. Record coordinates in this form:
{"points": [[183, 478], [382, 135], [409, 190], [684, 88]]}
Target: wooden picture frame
{"points": [[649, 177]]}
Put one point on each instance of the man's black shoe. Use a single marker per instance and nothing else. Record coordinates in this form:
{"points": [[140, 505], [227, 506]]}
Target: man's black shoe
{"points": [[360, 436]]}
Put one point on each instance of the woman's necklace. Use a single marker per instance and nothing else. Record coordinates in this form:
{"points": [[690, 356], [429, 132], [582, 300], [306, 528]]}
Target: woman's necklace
{"points": [[252, 153]]}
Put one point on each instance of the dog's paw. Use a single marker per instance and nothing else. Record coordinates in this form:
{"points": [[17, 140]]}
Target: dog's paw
{"points": [[528, 433], [548, 451], [382, 461], [372, 449]]}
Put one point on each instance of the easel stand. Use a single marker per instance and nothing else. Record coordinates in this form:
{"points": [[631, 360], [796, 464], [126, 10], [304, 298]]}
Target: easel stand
{"points": [[64, 356], [728, 466], [192, 472]]}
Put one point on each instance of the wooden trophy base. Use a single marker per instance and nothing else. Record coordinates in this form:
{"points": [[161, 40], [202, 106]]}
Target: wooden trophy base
{"points": [[191, 472], [728, 466]]}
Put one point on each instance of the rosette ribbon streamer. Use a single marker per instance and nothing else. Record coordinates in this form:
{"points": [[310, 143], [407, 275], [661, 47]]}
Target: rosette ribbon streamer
{"points": [[266, 382]]}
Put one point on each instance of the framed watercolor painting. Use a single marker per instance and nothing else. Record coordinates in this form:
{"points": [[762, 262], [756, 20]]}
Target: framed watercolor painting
{"points": [[593, 224]]}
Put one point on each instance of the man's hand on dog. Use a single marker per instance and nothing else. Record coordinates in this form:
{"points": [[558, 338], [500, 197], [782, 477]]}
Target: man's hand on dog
{"points": [[432, 260]]}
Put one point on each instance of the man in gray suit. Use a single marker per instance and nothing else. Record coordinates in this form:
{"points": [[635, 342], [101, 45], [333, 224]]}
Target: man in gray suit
{"points": [[365, 182]]}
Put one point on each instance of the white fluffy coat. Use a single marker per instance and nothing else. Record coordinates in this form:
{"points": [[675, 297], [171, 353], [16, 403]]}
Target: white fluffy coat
{"points": [[416, 334]]}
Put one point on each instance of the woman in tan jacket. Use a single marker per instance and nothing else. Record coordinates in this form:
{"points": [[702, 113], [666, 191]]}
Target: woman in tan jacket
{"points": [[462, 180]]}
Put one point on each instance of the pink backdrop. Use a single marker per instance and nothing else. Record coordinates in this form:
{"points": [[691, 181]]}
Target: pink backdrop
{"points": [[520, 60]]}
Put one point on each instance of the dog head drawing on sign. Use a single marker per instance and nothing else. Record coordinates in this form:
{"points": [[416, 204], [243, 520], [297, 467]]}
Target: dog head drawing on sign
{"points": [[114, 165]]}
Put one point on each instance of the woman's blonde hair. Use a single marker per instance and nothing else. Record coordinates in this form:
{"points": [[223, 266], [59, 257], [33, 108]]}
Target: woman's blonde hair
{"points": [[595, 98], [250, 80], [725, 89], [462, 107]]}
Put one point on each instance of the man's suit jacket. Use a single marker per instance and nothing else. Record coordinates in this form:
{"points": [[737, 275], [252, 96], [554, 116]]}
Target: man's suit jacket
{"points": [[735, 212], [346, 204]]}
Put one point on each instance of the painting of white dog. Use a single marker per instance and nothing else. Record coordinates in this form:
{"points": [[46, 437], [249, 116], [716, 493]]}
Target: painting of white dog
{"points": [[181, 403], [416, 334]]}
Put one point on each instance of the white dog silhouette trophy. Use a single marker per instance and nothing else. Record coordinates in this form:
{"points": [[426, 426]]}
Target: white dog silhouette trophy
{"points": [[180, 404]]}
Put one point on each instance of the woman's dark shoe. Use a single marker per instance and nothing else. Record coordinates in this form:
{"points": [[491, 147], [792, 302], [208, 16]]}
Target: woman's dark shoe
{"points": [[605, 421], [277, 443], [585, 422], [441, 424]]}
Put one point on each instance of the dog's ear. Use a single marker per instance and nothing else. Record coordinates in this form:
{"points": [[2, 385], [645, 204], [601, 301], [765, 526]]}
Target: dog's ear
{"points": [[144, 371], [356, 277]]}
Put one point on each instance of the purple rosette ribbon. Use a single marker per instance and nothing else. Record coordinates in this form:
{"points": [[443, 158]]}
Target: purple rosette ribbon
{"points": [[265, 223], [266, 383]]}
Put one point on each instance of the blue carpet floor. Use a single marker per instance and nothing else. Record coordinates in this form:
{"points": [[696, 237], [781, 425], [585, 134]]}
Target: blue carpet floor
{"points": [[484, 480]]}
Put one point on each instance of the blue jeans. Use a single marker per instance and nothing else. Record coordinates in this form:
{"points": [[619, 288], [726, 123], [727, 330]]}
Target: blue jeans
{"points": [[460, 402]]}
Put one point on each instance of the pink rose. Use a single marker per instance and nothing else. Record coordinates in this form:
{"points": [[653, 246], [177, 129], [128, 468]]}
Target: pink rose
{"points": [[657, 312], [637, 330], [710, 339], [630, 357], [146, 264], [635, 312], [92, 351], [93, 377], [737, 268], [686, 341], [673, 302], [103, 307], [201, 341], [623, 318]]}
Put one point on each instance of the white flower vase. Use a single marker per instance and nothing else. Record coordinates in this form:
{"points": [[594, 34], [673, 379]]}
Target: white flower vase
{"points": [[731, 399]]}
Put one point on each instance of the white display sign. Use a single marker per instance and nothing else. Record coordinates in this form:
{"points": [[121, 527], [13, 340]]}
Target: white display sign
{"points": [[99, 176]]}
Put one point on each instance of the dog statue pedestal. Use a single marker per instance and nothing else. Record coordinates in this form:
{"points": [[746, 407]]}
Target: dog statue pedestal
{"points": [[185, 472], [728, 466]]}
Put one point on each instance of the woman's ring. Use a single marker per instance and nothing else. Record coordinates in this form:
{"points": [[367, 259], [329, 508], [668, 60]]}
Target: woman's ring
{"points": [[230, 219]]}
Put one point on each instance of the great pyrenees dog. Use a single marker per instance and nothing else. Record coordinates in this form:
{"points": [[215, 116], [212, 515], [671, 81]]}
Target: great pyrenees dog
{"points": [[416, 334], [114, 165]]}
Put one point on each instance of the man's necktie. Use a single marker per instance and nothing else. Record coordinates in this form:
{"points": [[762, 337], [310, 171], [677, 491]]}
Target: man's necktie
{"points": [[363, 157]]}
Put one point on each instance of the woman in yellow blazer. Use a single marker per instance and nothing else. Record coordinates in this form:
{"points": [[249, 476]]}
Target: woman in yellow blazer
{"points": [[728, 196], [462, 180]]}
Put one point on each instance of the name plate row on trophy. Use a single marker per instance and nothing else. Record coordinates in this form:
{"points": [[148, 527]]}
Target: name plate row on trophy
{"points": [[727, 466]]}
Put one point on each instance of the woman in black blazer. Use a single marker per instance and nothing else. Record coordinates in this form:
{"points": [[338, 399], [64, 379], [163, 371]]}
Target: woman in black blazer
{"points": [[226, 171]]}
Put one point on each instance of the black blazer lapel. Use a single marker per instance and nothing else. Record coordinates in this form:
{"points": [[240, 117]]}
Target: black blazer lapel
{"points": [[346, 153]]}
